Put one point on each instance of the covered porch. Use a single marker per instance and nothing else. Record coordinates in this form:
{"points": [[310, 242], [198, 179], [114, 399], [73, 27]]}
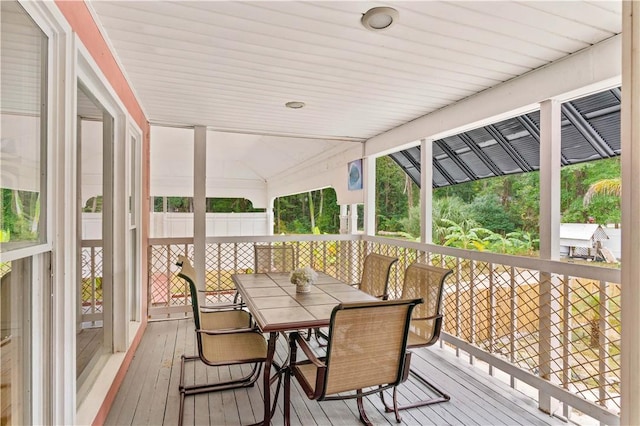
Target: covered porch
{"points": [[128, 102]]}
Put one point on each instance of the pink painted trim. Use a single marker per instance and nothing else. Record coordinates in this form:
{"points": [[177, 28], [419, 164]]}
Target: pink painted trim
{"points": [[82, 23]]}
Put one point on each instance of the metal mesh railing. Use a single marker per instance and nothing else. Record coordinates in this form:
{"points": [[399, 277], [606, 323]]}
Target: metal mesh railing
{"points": [[91, 289], [551, 320], [168, 294]]}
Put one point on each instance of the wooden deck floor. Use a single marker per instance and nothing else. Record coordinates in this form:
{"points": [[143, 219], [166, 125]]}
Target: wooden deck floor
{"points": [[149, 394]]}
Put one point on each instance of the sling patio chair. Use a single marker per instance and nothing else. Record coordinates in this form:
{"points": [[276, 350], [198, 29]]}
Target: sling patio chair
{"points": [[374, 281], [268, 258], [274, 258], [375, 275], [426, 281], [366, 352], [224, 336]]}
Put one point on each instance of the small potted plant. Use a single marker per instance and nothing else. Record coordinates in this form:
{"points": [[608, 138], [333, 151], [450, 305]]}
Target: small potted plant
{"points": [[303, 278]]}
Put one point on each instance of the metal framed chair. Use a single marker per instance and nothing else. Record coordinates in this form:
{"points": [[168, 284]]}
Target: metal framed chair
{"points": [[274, 258], [366, 352], [424, 281], [374, 281], [225, 336], [268, 258], [375, 275]]}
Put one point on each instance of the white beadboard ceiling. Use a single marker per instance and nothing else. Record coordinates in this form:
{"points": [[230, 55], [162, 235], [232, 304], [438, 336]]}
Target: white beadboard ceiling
{"points": [[232, 65]]}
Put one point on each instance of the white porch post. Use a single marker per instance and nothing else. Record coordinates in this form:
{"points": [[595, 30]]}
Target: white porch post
{"points": [[550, 134], [630, 346], [199, 202], [353, 219], [344, 219], [426, 191], [270, 216], [370, 196]]}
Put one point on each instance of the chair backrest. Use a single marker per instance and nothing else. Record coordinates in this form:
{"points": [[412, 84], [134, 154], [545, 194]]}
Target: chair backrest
{"points": [[367, 345], [189, 274], [375, 274], [426, 281], [274, 258]]}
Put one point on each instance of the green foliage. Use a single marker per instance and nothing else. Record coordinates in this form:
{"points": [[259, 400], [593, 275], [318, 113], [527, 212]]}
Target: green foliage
{"points": [[293, 213], [20, 215], [395, 195], [230, 205], [488, 210]]}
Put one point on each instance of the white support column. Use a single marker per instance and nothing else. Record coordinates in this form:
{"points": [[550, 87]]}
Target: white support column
{"points": [[426, 191], [550, 133], [369, 196], [550, 179], [270, 216], [353, 219], [630, 346], [344, 219], [199, 203]]}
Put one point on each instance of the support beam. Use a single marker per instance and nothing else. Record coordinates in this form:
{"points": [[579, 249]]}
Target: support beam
{"points": [[270, 216], [549, 305], [353, 219], [199, 203], [344, 219], [550, 179], [370, 196], [630, 346], [426, 191]]}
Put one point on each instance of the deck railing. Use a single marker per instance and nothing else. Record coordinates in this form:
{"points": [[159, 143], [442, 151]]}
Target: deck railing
{"points": [[554, 326], [91, 289]]}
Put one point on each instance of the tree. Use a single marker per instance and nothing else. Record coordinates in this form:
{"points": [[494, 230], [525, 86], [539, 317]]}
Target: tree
{"points": [[603, 187], [466, 235], [489, 212]]}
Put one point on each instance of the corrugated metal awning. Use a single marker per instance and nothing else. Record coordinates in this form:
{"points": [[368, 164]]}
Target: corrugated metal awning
{"points": [[590, 131]]}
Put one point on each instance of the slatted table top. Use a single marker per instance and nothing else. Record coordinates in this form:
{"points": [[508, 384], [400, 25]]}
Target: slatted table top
{"points": [[276, 306]]}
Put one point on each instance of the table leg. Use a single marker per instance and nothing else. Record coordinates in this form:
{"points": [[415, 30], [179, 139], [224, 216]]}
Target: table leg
{"points": [[271, 350], [287, 396]]}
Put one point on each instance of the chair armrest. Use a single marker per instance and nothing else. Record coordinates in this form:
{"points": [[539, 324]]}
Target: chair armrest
{"points": [[226, 331], [311, 356], [426, 318], [222, 307]]}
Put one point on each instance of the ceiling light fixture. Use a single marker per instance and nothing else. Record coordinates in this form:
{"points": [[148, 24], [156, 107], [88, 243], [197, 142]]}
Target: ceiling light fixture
{"points": [[379, 18], [294, 104]]}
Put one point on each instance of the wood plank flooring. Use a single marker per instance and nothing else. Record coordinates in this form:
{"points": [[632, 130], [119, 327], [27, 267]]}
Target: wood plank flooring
{"points": [[149, 394]]}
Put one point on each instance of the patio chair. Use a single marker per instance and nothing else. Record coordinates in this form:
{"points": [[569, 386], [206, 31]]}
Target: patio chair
{"points": [[225, 336], [366, 352], [374, 281], [231, 314], [375, 275], [274, 258], [426, 281], [269, 258]]}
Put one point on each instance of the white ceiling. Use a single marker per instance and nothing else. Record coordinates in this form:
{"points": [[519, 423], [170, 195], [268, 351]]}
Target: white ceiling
{"points": [[232, 65]]}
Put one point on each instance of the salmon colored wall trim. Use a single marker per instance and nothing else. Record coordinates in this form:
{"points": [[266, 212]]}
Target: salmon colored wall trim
{"points": [[82, 23], [103, 412]]}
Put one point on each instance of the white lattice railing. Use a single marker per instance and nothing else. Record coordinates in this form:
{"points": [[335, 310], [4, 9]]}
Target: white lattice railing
{"points": [[552, 325]]}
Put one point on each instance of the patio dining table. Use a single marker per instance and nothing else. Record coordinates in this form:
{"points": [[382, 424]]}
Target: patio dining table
{"points": [[277, 308]]}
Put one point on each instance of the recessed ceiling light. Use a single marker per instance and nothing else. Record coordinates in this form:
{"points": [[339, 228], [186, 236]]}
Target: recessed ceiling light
{"points": [[379, 18], [294, 104]]}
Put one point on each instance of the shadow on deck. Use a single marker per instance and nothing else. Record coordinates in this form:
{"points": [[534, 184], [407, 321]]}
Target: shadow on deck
{"points": [[149, 394]]}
